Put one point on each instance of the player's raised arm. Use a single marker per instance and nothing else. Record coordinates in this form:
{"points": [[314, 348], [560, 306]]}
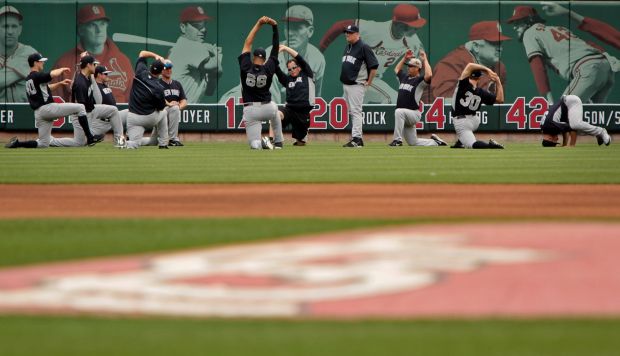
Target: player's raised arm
{"points": [[275, 39], [59, 71], [247, 45], [401, 63], [428, 71], [499, 88], [470, 67], [149, 54]]}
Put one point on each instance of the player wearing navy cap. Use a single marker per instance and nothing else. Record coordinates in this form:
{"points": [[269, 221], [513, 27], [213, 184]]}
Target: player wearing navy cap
{"points": [[176, 101], [359, 65], [466, 103], [256, 77], [147, 102], [45, 109]]}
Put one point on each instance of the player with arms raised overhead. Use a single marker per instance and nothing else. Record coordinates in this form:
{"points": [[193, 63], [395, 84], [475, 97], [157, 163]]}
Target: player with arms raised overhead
{"points": [[466, 103], [256, 77]]}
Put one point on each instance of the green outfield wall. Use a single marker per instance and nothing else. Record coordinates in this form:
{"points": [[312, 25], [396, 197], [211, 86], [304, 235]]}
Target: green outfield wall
{"points": [[115, 32]]}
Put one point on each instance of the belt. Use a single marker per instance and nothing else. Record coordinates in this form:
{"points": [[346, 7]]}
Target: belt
{"points": [[104, 119], [460, 117], [256, 103]]}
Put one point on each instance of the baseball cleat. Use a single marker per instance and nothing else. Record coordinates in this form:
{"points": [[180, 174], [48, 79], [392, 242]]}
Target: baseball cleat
{"points": [[266, 143], [439, 141], [163, 147], [457, 144], [119, 142], [355, 142], [175, 143], [604, 138], [396, 143], [94, 140], [12, 142], [278, 146], [495, 144], [299, 143]]}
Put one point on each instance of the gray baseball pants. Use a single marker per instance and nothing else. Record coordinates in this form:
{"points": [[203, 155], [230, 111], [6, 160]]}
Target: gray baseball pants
{"points": [[465, 128], [173, 113], [575, 117], [103, 118], [354, 95], [253, 115], [45, 116], [137, 124], [404, 125]]}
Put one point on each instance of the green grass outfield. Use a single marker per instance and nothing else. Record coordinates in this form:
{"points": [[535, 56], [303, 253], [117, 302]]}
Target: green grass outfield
{"points": [[317, 162], [27, 241]]}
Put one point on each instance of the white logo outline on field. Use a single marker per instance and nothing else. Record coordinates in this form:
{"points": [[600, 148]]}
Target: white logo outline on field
{"points": [[297, 273]]}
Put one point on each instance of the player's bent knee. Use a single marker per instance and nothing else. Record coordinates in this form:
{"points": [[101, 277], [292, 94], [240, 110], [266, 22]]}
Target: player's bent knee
{"points": [[256, 145]]}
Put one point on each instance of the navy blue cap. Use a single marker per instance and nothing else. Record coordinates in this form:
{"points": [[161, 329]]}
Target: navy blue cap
{"points": [[157, 66], [259, 52], [476, 74], [351, 29]]}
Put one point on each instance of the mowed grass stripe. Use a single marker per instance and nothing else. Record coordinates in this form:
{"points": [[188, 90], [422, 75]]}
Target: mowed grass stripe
{"points": [[319, 162], [51, 336]]}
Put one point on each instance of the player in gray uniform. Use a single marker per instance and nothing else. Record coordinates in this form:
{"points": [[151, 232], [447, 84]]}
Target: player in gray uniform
{"points": [[410, 89], [466, 103], [106, 116], [83, 91], [147, 103], [359, 66], [45, 109], [106, 94], [256, 77], [566, 117]]}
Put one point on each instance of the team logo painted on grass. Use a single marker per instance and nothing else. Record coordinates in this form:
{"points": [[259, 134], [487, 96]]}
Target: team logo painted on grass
{"points": [[453, 270]]}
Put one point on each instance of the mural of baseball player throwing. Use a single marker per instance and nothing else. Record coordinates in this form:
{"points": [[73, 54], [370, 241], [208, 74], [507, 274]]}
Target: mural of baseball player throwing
{"points": [[389, 41], [93, 33], [13, 57], [197, 64], [587, 70], [483, 47]]}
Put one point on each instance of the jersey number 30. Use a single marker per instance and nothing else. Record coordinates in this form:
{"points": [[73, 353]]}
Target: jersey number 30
{"points": [[471, 101], [258, 81]]}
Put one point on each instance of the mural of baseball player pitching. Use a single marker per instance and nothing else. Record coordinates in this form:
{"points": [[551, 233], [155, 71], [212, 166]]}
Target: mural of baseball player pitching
{"points": [[13, 57], [389, 41], [93, 33], [484, 47], [587, 70], [197, 64]]}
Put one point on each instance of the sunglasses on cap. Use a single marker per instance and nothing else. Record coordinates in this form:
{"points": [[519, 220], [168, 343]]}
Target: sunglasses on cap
{"points": [[293, 68]]}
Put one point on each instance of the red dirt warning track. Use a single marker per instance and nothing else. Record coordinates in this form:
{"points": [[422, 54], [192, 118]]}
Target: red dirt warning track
{"points": [[310, 200]]}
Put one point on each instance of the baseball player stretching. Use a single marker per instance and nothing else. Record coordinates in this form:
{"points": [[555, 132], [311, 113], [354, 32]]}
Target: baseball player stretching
{"points": [[105, 95], [147, 103], [45, 109], [585, 67], [407, 114], [299, 84], [566, 117], [176, 101], [256, 77], [359, 66], [83, 91], [466, 103]]}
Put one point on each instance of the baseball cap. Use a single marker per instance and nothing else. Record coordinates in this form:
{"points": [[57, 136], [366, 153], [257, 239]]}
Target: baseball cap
{"points": [[102, 70], [90, 13], [168, 64], [351, 29], [157, 66], [548, 143], [409, 15], [193, 14], [35, 57], [259, 52], [476, 74], [414, 62], [487, 30], [299, 13], [10, 10], [522, 12], [88, 59]]}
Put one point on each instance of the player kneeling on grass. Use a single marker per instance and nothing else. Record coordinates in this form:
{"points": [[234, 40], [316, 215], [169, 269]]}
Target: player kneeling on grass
{"points": [[466, 103], [256, 77], [299, 84], [410, 89], [566, 117]]}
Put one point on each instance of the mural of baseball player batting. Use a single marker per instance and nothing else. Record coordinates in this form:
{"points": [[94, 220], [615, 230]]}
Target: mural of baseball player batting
{"points": [[197, 64], [389, 41], [587, 70]]}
